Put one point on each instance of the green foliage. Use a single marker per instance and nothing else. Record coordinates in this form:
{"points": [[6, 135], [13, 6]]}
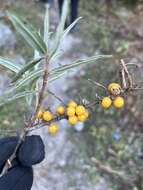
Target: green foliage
{"points": [[46, 27], [7, 63], [60, 28], [7, 98], [32, 71], [96, 140], [28, 66], [28, 32]]}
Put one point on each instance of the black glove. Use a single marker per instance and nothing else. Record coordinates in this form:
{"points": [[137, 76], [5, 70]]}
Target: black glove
{"points": [[32, 151], [17, 178], [20, 175], [7, 146]]}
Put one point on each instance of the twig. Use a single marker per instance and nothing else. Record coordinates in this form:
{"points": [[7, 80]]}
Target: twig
{"points": [[42, 91], [57, 97], [43, 123], [97, 84], [132, 64], [123, 79], [127, 73], [90, 105], [79, 98], [109, 170], [137, 88], [32, 119], [8, 162]]}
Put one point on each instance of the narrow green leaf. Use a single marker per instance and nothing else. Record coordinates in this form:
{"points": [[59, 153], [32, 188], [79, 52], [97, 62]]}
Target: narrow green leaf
{"points": [[64, 34], [26, 68], [58, 71], [69, 28], [34, 75], [30, 97], [28, 32], [7, 99], [77, 63], [60, 28], [56, 76], [55, 56], [29, 78], [46, 27], [10, 65]]}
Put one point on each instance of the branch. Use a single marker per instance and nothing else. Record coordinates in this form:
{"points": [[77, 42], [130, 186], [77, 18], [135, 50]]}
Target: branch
{"points": [[39, 125], [42, 91], [132, 64], [123, 79], [57, 97], [109, 170], [23, 134], [127, 73], [8, 164], [97, 84]]}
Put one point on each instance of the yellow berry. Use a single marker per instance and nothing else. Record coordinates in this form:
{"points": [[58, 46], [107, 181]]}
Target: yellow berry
{"points": [[80, 110], [82, 118], [47, 116], [60, 110], [70, 111], [86, 113], [40, 114], [114, 89], [72, 104], [116, 85], [53, 129], [119, 102], [106, 102], [73, 120]]}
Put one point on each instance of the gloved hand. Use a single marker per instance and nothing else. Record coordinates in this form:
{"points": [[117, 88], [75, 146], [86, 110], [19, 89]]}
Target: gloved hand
{"points": [[20, 175]]}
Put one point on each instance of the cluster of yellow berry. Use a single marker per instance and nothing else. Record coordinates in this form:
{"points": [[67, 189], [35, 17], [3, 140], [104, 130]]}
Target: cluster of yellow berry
{"points": [[73, 113], [76, 113], [48, 116], [114, 97]]}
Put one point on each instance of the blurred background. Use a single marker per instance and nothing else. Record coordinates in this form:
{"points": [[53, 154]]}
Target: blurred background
{"points": [[107, 152]]}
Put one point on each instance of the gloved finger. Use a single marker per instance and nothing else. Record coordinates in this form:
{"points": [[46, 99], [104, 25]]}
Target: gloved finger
{"points": [[18, 178], [32, 151], [7, 146]]}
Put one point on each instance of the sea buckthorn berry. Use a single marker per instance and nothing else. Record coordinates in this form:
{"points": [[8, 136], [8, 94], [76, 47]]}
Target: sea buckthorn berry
{"points": [[40, 114], [72, 104], [116, 85], [47, 116], [86, 113], [118, 102], [60, 110], [80, 110], [70, 111], [106, 102], [73, 120], [53, 129], [114, 89], [82, 118]]}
